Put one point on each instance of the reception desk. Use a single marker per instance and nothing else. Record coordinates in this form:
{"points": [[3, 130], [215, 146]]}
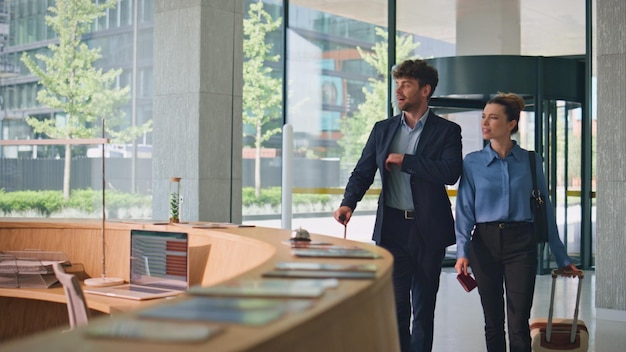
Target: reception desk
{"points": [[356, 315]]}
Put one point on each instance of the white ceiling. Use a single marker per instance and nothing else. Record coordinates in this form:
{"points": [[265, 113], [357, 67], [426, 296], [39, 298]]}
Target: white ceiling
{"points": [[548, 27]]}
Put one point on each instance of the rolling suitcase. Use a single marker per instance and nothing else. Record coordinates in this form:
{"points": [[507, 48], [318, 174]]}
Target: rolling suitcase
{"points": [[555, 334]]}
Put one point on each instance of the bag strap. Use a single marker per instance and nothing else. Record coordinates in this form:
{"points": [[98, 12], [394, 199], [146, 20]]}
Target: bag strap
{"points": [[533, 168], [535, 193], [532, 160]]}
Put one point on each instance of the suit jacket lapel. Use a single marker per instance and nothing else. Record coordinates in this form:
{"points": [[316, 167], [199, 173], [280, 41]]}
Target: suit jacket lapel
{"points": [[390, 133], [427, 133]]}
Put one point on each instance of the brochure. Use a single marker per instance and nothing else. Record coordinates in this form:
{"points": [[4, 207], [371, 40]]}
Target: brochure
{"points": [[334, 252], [325, 266], [247, 311], [307, 288], [321, 274], [159, 331]]}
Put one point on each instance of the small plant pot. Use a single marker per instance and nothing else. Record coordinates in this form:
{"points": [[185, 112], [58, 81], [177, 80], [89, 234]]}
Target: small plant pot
{"points": [[174, 200]]}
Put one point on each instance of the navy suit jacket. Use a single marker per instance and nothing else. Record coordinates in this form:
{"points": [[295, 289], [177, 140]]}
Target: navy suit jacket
{"points": [[437, 162]]}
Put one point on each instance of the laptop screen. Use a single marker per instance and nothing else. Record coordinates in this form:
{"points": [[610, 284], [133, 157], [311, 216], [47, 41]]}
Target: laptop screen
{"points": [[159, 259]]}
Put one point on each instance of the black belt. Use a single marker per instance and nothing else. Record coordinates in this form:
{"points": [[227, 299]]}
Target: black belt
{"points": [[407, 214], [506, 225]]}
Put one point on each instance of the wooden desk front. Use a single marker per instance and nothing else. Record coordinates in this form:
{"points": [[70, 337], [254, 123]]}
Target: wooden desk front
{"points": [[358, 315]]}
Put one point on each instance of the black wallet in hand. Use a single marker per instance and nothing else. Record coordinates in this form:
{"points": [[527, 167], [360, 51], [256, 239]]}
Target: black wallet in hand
{"points": [[467, 281]]}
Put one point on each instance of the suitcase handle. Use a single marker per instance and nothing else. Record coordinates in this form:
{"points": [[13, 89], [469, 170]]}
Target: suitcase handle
{"points": [[566, 273]]}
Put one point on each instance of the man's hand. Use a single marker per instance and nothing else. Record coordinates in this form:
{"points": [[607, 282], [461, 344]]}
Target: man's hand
{"points": [[394, 159], [343, 215]]}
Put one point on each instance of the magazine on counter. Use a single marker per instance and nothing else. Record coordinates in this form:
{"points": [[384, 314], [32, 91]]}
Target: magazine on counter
{"points": [[324, 266], [238, 310], [335, 252], [306, 288], [318, 274]]}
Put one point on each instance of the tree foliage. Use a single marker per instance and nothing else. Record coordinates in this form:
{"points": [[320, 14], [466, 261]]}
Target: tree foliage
{"points": [[73, 86], [262, 93], [70, 81], [356, 129]]}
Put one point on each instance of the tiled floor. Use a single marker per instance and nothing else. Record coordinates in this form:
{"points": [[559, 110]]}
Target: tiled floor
{"points": [[459, 319]]}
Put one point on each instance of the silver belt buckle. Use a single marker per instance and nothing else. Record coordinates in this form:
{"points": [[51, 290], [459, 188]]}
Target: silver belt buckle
{"points": [[409, 215]]}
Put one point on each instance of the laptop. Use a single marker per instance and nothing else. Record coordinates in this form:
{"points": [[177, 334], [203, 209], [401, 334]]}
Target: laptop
{"points": [[159, 267]]}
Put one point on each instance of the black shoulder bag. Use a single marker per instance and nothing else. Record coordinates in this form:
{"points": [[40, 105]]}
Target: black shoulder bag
{"points": [[538, 205]]}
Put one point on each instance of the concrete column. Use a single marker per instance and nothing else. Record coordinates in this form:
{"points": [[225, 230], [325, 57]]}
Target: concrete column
{"points": [[611, 161], [198, 60], [488, 27]]}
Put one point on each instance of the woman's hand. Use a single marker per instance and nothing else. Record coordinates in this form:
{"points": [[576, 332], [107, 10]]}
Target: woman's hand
{"points": [[461, 266], [569, 271]]}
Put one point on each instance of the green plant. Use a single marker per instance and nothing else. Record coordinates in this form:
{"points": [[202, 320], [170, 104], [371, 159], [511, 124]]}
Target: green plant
{"points": [[44, 202], [5, 204], [174, 206], [272, 196], [85, 200]]}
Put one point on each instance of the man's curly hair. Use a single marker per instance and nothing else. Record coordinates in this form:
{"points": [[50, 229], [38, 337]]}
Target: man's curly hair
{"points": [[419, 70]]}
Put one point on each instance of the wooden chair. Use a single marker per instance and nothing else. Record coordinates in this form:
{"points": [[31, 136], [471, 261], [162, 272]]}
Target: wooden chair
{"points": [[76, 303]]}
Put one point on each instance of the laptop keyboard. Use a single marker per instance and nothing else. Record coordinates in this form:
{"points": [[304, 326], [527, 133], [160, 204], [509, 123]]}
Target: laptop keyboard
{"points": [[142, 289]]}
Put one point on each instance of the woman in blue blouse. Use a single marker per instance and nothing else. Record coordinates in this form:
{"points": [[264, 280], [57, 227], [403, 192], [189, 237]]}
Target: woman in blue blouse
{"points": [[493, 209]]}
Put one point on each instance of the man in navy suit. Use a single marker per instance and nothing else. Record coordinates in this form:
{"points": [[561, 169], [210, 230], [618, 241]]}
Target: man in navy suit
{"points": [[417, 154]]}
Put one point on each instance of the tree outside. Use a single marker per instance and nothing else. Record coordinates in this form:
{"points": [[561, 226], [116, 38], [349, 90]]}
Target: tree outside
{"points": [[262, 93], [355, 129], [82, 94]]}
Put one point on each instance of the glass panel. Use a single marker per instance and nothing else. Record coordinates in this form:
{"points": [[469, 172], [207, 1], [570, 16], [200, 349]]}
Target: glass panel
{"points": [[594, 119], [337, 89], [128, 164], [126, 12], [146, 10], [328, 85], [552, 28], [566, 170], [113, 17], [262, 108], [547, 28], [435, 33]]}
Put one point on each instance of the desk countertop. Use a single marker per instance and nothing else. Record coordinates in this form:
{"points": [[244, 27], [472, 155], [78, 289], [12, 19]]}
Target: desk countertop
{"points": [[357, 315]]}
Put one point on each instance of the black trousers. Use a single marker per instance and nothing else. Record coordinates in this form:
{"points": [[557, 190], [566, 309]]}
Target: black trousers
{"points": [[416, 272], [503, 257]]}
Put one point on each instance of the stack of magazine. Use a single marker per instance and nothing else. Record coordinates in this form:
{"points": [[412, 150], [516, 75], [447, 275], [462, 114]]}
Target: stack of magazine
{"points": [[29, 269], [252, 302], [322, 270], [332, 251]]}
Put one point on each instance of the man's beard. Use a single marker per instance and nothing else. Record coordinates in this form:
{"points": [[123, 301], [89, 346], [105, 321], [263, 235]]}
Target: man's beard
{"points": [[406, 106]]}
